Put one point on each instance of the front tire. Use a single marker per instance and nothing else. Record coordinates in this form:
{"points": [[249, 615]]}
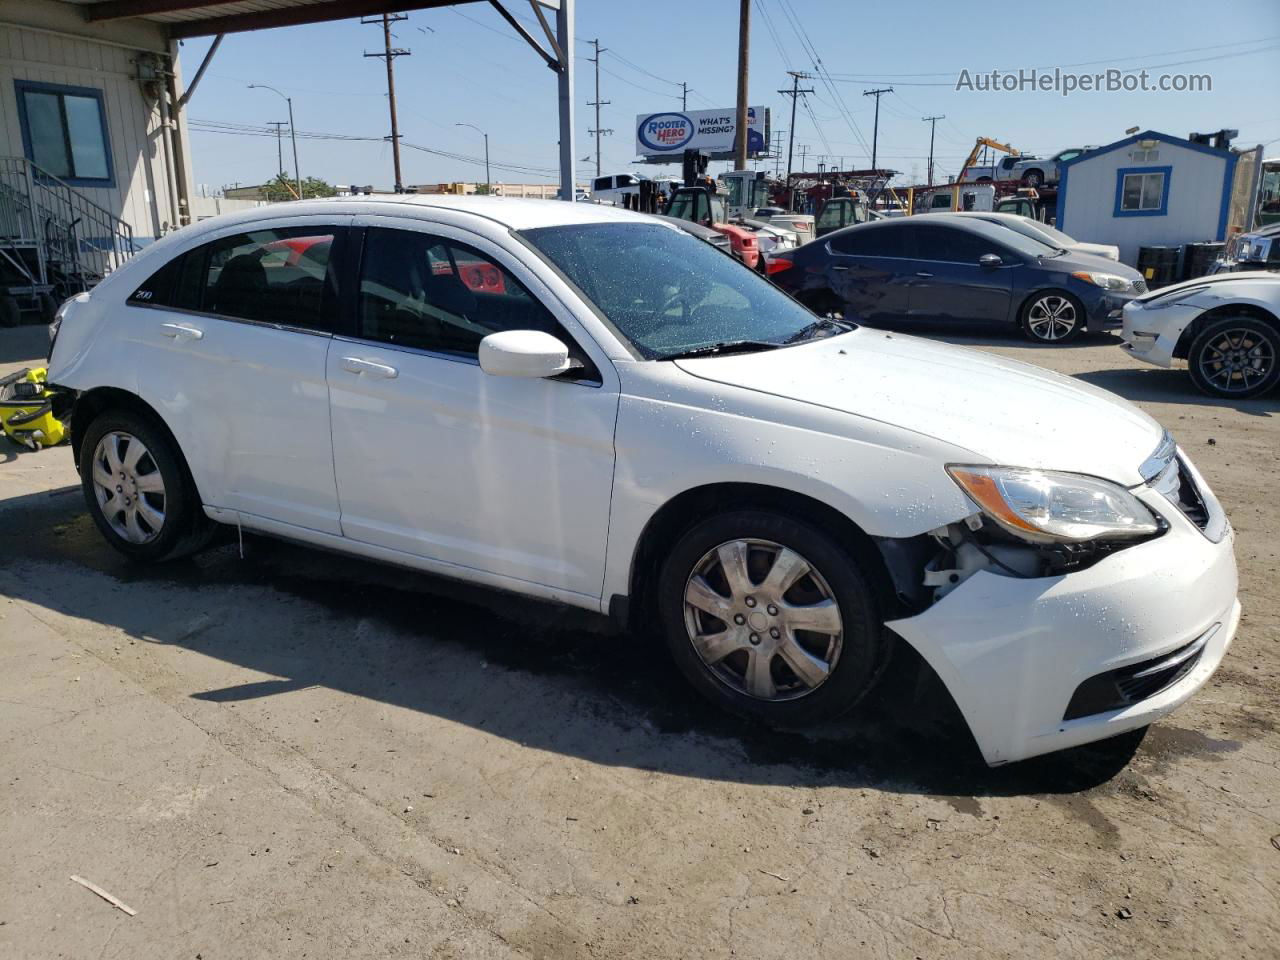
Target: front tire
{"points": [[1053, 316], [769, 617], [1235, 357], [1032, 178], [137, 489]]}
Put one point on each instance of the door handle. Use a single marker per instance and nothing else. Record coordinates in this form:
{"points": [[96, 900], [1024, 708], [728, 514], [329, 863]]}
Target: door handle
{"points": [[358, 366], [921, 273], [176, 330], [838, 267]]}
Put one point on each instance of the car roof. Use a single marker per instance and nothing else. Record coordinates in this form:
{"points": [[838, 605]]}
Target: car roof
{"points": [[516, 213]]}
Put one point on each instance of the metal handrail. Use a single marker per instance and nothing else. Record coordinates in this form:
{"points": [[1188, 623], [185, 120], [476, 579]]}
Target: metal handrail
{"points": [[76, 241]]}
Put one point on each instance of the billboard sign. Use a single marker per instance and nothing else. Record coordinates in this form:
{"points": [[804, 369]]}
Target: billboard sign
{"points": [[669, 134]]}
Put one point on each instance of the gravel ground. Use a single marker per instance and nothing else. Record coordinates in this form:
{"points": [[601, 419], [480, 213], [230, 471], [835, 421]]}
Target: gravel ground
{"points": [[295, 754]]}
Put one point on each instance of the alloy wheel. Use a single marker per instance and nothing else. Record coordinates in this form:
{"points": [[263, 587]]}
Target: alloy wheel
{"points": [[1237, 360], [129, 487], [1051, 318], [763, 620]]}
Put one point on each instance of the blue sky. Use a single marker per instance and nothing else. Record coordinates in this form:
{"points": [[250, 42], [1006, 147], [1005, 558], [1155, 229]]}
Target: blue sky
{"points": [[468, 66]]}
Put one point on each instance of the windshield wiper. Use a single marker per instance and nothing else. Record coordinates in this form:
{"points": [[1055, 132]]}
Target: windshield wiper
{"points": [[721, 349], [822, 323]]}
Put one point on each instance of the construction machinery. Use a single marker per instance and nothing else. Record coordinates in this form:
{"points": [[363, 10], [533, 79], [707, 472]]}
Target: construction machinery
{"points": [[983, 174]]}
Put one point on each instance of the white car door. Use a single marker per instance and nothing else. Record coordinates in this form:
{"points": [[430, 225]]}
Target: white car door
{"points": [[230, 341], [438, 459]]}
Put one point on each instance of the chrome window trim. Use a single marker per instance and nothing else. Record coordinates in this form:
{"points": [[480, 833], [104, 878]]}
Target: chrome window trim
{"points": [[283, 327], [467, 359]]}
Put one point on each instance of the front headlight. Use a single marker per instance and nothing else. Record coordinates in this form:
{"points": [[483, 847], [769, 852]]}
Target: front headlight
{"points": [[1107, 281], [1047, 507]]}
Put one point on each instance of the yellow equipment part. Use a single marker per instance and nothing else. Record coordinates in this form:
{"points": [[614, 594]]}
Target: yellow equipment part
{"points": [[26, 410]]}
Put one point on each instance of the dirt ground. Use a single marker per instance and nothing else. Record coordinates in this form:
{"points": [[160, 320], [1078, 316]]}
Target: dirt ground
{"points": [[295, 754]]}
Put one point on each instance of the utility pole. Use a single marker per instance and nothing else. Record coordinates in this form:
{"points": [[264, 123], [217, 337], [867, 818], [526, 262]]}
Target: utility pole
{"points": [[794, 93], [777, 153], [744, 51], [875, 133], [597, 102], [389, 54], [804, 153], [684, 96], [933, 122], [279, 125]]}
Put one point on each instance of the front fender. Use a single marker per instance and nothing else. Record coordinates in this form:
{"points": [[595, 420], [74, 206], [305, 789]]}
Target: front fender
{"points": [[888, 481]]}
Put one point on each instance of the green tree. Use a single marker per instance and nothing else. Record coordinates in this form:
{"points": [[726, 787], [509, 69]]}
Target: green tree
{"points": [[283, 187]]}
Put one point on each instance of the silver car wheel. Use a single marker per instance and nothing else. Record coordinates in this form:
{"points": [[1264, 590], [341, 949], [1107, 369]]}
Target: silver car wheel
{"points": [[763, 620], [1052, 318], [1236, 360], [129, 487]]}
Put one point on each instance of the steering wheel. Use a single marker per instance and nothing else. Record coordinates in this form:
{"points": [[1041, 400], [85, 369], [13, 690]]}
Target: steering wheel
{"points": [[680, 297]]}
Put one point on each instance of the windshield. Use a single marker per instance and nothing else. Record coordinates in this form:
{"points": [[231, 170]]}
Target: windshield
{"points": [[668, 293], [1020, 236]]}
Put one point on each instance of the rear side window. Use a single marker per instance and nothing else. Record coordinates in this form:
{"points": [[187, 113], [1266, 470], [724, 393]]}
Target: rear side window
{"points": [[889, 240], [158, 289], [282, 276]]}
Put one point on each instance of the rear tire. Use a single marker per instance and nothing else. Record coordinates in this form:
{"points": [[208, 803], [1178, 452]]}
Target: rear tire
{"points": [[1236, 358], [801, 640], [138, 490], [1032, 178]]}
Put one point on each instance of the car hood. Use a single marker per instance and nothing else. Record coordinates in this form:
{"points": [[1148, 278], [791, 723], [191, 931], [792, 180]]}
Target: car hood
{"points": [[1078, 258], [1104, 250], [1218, 280], [1004, 411]]}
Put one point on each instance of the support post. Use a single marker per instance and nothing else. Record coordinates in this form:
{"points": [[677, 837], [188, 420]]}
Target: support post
{"points": [[564, 78], [744, 51]]}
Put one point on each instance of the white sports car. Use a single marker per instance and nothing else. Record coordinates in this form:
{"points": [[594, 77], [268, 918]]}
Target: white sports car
{"points": [[587, 405], [1227, 328]]}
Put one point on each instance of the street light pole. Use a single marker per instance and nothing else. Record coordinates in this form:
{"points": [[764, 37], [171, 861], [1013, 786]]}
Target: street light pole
{"points": [[293, 133], [488, 184]]}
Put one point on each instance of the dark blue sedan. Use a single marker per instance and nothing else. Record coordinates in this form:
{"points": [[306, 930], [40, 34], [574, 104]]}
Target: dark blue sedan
{"points": [[942, 268]]}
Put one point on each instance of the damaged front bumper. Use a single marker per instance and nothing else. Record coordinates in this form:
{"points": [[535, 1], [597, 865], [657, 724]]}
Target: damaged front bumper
{"points": [[1015, 652]]}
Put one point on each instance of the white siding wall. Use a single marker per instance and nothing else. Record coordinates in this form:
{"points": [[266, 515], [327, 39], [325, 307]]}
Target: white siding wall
{"points": [[1195, 200], [140, 196]]}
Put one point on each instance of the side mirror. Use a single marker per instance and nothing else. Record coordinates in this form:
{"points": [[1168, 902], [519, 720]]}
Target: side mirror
{"points": [[523, 353], [989, 261]]}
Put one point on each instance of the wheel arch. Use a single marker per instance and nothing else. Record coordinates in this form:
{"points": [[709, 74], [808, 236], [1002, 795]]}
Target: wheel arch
{"points": [[1192, 330], [91, 404], [670, 521]]}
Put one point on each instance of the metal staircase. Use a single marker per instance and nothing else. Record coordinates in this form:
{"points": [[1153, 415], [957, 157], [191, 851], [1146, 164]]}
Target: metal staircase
{"points": [[54, 241]]}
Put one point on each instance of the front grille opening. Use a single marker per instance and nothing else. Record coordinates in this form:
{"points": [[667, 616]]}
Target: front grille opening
{"points": [[1188, 498], [1117, 689]]}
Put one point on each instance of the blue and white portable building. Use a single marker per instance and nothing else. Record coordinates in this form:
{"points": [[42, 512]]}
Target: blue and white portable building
{"points": [[1146, 190]]}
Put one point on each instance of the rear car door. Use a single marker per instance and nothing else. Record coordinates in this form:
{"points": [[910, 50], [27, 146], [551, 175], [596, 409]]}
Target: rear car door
{"points": [[231, 341], [870, 272], [438, 459], [950, 284]]}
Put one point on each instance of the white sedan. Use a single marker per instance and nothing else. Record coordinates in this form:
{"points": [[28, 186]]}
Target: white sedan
{"points": [[1227, 328], [1036, 230], [587, 405]]}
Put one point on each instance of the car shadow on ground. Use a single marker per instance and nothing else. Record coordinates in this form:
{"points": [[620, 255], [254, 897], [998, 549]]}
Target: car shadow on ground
{"points": [[1174, 386], [577, 685]]}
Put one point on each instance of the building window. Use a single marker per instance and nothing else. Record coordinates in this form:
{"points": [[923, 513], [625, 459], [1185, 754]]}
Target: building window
{"points": [[64, 132], [1145, 156], [1142, 191]]}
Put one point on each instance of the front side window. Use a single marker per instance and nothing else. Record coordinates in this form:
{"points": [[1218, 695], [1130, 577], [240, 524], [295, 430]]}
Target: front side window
{"points": [[951, 245], [665, 292], [64, 132], [429, 293], [280, 276], [1144, 191]]}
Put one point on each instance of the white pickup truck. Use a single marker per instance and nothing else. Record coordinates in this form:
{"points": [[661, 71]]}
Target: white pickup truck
{"points": [[1034, 171]]}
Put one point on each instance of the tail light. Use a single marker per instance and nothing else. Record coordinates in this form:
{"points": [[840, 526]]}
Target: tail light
{"points": [[778, 265]]}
